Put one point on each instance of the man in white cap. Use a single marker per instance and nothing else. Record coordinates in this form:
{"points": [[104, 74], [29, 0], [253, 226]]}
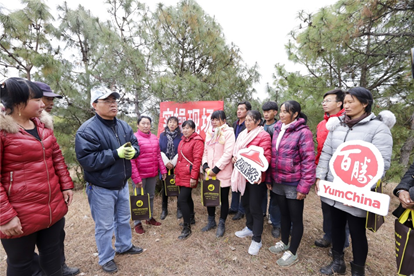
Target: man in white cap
{"points": [[104, 146]]}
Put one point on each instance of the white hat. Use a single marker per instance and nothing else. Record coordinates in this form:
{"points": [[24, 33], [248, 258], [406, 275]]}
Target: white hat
{"points": [[101, 92]]}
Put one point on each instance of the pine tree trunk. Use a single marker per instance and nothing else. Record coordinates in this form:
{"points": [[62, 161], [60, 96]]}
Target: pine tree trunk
{"points": [[408, 146]]}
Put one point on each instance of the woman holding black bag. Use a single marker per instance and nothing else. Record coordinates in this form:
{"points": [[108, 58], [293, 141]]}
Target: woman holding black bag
{"points": [[169, 141], [218, 153]]}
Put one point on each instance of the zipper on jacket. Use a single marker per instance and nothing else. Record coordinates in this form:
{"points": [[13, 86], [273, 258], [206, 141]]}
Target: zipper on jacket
{"points": [[11, 183], [349, 129], [47, 171], [119, 142]]}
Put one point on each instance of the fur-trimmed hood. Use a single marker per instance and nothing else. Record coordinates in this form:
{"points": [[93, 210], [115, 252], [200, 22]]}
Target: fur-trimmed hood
{"points": [[10, 126]]}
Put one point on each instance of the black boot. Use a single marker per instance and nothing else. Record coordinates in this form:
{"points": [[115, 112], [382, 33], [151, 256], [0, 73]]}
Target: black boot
{"points": [[186, 232], [357, 270], [221, 228], [164, 214], [192, 220], [211, 224], [336, 266], [179, 214]]}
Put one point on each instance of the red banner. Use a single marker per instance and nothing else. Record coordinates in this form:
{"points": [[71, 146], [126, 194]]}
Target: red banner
{"points": [[199, 112]]}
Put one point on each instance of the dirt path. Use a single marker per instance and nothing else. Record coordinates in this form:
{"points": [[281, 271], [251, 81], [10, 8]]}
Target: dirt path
{"points": [[204, 254]]}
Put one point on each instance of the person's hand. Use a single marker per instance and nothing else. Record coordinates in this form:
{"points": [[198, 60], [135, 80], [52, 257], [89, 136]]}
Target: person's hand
{"points": [[68, 196], [126, 152], [139, 185], [169, 166], [164, 176], [317, 186], [12, 228], [129, 153], [193, 182], [300, 196], [405, 199], [211, 173], [258, 181], [269, 186], [234, 160]]}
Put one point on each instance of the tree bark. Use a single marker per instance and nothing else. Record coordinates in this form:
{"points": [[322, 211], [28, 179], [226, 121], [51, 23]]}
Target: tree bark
{"points": [[408, 146]]}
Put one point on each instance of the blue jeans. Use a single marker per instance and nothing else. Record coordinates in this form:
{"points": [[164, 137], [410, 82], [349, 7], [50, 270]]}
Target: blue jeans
{"points": [[274, 211], [235, 202], [110, 211]]}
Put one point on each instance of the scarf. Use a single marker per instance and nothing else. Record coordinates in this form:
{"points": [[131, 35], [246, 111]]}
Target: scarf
{"points": [[238, 182], [351, 122], [214, 136], [282, 132], [170, 142]]}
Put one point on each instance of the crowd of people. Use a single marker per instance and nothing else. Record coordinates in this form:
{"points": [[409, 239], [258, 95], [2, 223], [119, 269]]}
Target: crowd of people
{"points": [[33, 208]]}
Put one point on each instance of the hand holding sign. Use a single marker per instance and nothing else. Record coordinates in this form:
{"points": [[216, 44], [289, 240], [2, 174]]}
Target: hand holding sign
{"points": [[356, 167], [251, 162]]}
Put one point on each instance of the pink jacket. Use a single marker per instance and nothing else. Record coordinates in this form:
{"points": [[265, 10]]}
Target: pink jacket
{"points": [[220, 154], [149, 159]]}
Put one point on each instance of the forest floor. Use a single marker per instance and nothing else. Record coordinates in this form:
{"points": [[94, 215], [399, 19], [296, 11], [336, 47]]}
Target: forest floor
{"points": [[204, 254]]}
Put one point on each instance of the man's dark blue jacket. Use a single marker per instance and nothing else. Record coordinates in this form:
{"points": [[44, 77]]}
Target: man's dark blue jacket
{"points": [[95, 145]]}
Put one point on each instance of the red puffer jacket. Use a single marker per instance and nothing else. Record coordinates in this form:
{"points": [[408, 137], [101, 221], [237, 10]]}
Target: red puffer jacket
{"points": [[33, 176], [192, 148], [149, 159], [322, 133]]}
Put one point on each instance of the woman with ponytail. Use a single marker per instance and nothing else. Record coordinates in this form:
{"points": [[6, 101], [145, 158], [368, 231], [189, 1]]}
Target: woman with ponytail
{"points": [[292, 174]]}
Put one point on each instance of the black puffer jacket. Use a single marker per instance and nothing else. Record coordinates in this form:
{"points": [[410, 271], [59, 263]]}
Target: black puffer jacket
{"points": [[406, 183], [95, 145]]}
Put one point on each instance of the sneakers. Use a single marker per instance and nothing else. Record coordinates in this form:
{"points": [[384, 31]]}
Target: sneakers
{"points": [[279, 247], [269, 221], [153, 222], [287, 259], [246, 232], [138, 229], [254, 248]]}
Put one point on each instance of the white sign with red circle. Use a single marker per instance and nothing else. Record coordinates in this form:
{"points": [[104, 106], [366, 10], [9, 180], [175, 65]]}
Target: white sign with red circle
{"points": [[356, 167]]}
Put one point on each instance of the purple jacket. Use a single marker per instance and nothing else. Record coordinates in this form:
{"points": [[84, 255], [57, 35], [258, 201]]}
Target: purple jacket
{"points": [[149, 159], [294, 162]]}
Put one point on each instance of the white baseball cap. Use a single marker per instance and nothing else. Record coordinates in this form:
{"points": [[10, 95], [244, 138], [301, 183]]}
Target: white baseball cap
{"points": [[101, 92]]}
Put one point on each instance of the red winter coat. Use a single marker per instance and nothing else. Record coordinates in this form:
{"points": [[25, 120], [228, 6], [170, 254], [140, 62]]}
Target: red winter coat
{"points": [[192, 148], [33, 176], [322, 133], [149, 159]]}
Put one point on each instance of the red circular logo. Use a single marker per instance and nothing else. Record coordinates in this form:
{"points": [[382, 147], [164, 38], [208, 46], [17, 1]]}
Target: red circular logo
{"points": [[355, 165]]}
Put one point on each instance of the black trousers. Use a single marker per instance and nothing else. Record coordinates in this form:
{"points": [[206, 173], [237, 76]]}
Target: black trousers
{"points": [[20, 251], [186, 204], [165, 197], [358, 234], [36, 265], [252, 204], [224, 210], [291, 211]]}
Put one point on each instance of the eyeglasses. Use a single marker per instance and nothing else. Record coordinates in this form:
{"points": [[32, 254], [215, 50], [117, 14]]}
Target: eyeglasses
{"points": [[109, 102], [328, 101]]}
